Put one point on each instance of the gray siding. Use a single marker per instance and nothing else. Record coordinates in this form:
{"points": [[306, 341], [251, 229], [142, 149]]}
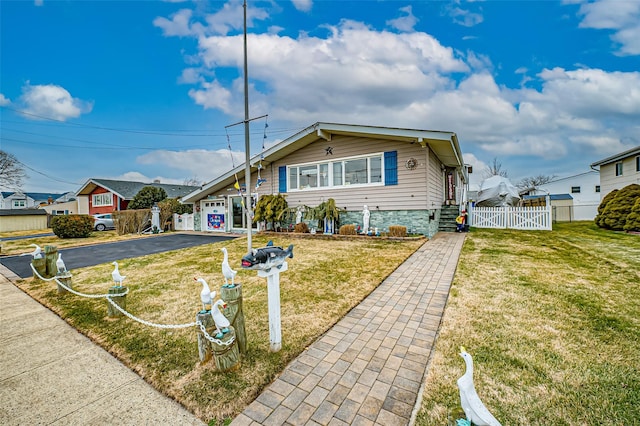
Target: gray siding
{"points": [[609, 181], [411, 193]]}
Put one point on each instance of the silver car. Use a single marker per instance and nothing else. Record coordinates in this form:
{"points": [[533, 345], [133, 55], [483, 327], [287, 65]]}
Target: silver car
{"points": [[103, 222]]}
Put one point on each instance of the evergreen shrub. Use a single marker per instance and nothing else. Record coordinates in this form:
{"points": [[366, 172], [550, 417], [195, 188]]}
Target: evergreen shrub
{"points": [[72, 226], [616, 212]]}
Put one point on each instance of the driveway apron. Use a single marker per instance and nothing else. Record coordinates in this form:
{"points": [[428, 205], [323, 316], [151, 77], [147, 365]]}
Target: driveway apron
{"points": [[80, 257]]}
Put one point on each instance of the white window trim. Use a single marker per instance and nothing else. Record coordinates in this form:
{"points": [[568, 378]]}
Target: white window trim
{"points": [[330, 162], [94, 197]]}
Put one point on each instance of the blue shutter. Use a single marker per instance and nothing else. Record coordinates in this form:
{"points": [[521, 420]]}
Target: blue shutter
{"points": [[282, 178], [391, 168]]}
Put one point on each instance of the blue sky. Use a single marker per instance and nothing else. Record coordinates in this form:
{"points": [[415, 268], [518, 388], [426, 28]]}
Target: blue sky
{"points": [[143, 90]]}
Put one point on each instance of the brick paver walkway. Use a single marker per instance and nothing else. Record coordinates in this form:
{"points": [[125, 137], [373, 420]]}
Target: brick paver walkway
{"points": [[368, 369]]}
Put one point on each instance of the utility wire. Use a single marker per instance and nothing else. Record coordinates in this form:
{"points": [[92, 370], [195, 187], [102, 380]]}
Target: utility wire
{"points": [[46, 175], [146, 132]]}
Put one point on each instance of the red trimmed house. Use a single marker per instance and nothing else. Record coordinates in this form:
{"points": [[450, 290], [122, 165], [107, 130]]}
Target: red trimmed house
{"points": [[99, 196]]}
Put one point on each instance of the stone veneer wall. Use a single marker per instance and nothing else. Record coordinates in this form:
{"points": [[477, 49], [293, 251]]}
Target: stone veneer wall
{"points": [[416, 221]]}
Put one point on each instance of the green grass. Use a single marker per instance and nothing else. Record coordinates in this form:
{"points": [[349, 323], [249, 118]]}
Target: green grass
{"points": [[324, 281], [552, 321]]}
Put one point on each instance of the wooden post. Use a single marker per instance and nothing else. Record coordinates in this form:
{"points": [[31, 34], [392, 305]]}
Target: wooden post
{"points": [[66, 280], [121, 301], [226, 356], [233, 297], [204, 346], [273, 296], [51, 255], [40, 265]]}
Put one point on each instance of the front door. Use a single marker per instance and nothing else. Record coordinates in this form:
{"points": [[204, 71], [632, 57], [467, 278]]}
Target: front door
{"points": [[236, 211]]}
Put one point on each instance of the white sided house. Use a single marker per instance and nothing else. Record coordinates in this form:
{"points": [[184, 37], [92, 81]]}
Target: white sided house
{"points": [[404, 176], [619, 170], [583, 189]]}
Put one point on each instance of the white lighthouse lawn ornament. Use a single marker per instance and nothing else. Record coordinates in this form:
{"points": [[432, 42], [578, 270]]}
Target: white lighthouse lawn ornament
{"points": [[269, 261], [473, 407]]}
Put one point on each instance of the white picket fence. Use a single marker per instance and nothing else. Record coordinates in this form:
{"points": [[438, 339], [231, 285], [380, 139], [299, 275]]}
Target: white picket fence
{"points": [[183, 222], [529, 218]]}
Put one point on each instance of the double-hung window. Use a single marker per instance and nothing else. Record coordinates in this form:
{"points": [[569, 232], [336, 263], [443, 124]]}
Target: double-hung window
{"points": [[104, 199], [19, 203], [619, 168], [361, 170]]}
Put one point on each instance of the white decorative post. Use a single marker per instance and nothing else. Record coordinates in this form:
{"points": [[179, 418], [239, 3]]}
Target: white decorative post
{"points": [[273, 296]]}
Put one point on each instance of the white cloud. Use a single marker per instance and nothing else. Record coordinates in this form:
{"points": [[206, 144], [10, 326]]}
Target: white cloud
{"points": [[464, 17], [357, 74], [302, 5], [404, 23], [198, 162], [593, 92], [4, 101], [629, 39], [621, 16], [353, 65], [38, 2], [478, 167], [213, 95], [609, 14], [190, 76], [178, 25], [52, 101]]}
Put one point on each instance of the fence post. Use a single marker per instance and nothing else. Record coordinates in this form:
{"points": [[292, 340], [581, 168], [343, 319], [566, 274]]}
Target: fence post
{"points": [[40, 265], [118, 300], [50, 255], [204, 346], [66, 280], [226, 356], [233, 297]]}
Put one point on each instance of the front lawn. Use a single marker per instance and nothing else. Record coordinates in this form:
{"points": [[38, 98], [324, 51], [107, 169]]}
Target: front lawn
{"points": [[552, 320], [326, 278]]}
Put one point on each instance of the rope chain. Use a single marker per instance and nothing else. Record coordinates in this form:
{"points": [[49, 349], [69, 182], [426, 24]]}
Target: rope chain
{"points": [[133, 317], [213, 339]]}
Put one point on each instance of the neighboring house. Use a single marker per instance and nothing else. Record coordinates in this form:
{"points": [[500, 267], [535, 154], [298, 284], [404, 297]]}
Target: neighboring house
{"points": [[619, 170], [22, 219], [583, 189], [29, 200], [404, 176], [562, 209], [70, 207], [105, 195]]}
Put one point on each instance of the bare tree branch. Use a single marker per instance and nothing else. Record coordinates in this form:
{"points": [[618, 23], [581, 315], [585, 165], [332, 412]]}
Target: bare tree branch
{"points": [[495, 169], [534, 182], [12, 173]]}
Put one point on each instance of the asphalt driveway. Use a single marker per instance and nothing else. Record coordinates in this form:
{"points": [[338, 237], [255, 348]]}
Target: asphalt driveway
{"points": [[80, 257]]}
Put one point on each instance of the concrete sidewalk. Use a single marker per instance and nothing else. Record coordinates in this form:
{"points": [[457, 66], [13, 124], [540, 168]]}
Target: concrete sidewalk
{"points": [[51, 374], [369, 368]]}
